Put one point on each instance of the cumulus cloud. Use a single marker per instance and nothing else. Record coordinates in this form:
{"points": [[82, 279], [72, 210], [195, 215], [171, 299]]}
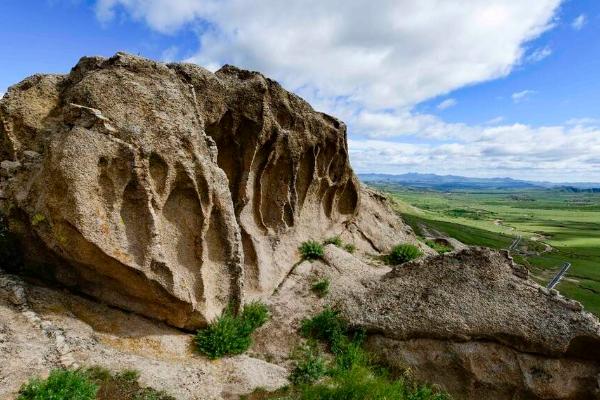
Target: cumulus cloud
{"points": [[446, 104], [371, 65], [509, 150], [393, 55], [518, 97], [579, 22]]}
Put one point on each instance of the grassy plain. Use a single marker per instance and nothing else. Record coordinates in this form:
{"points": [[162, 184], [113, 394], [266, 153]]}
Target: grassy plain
{"points": [[557, 226]]}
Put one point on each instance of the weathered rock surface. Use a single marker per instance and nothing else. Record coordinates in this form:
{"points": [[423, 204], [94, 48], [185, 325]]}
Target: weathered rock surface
{"points": [[42, 329], [172, 191], [469, 322]]}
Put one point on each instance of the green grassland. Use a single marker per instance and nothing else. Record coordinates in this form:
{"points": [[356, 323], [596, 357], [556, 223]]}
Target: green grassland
{"points": [[568, 222]]}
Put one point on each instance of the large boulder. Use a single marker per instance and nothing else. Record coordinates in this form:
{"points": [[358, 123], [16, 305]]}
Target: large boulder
{"points": [[172, 191], [472, 322]]}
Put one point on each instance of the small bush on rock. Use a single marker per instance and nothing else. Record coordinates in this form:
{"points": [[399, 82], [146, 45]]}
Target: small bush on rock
{"points": [[335, 240], [439, 247], [321, 288], [230, 334], [62, 384], [123, 385], [353, 376], [350, 248], [403, 253], [309, 365], [311, 250]]}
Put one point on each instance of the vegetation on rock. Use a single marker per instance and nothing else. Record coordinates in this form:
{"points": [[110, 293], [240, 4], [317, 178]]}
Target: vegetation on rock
{"points": [[335, 240], [310, 365], [403, 253], [95, 383], [352, 375], [311, 250], [439, 247], [62, 384], [231, 334], [321, 287]]}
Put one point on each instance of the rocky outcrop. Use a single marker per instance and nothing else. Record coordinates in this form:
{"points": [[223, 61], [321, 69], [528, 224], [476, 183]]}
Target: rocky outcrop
{"points": [[473, 323], [172, 191], [43, 328]]}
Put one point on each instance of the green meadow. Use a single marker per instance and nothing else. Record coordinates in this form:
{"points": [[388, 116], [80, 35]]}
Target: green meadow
{"points": [[556, 226]]}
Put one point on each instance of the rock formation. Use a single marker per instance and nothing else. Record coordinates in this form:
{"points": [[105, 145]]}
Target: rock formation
{"points": [[482, 330], [172, 191]]}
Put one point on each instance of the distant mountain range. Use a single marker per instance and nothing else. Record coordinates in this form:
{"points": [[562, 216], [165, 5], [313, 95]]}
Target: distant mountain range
{"points": [[453, 182]]}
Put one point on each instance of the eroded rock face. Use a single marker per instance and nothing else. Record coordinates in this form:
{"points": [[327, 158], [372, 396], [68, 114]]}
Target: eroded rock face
{"points": [[471, 322], [167, 189]]}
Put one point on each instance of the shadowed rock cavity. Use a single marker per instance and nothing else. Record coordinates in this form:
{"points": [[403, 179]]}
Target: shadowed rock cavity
{"points": [[167, 189]]}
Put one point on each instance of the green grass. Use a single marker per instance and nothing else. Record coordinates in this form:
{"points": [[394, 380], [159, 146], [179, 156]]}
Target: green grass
{"points": [[321, 287], [95, 383], [403, 253], [568, 222], [439, 247], [62, 384], [335, 240], [231, 334], [311, 250], [352, 374], [309, 365]]}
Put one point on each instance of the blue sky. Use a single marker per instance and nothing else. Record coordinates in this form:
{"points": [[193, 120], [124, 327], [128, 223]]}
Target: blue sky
{"points": [[485, 88]]}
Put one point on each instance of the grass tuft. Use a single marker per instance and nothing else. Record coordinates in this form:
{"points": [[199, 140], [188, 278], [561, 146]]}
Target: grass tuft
{"points": [[335, 240], [321, 287], [230, 334], [350, 248], [439, 247], [62, 384], [352, 375], [309, 367], [311, 250], [403, 253]]}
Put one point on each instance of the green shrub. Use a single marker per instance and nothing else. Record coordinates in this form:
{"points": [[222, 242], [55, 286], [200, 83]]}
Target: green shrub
{"points": [[335, 240], [439, 247], [230, 334], [353, 376], [350, 248], [123, 386], [253, 316], [311, 250], [62, 384], [326, 326], [321, 288], [403, 253], [309, 365], [361, 383]]}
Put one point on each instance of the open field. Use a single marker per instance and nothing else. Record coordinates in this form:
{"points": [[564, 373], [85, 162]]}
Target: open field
{"points": [[556, 227]]}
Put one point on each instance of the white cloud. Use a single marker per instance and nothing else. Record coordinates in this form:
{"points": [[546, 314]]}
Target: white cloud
{"points": [[539, 54], [579, 22], [446, 104], [371, 65], [552, 152], [396, 54], [518, 97]]}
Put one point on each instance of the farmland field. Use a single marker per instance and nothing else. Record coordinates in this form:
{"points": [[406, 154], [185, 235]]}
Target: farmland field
{"points": [[557, 226]]}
